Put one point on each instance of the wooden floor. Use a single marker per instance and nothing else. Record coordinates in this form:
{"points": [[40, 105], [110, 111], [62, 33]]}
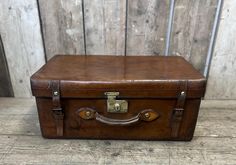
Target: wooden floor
{"points": [[21, 143]]}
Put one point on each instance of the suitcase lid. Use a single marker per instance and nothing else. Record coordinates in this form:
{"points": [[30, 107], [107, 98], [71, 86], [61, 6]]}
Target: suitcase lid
{"points": [[131, 76]]}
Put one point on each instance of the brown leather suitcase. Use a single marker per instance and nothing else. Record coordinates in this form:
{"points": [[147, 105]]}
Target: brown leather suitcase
{"points": [[115, 97]]}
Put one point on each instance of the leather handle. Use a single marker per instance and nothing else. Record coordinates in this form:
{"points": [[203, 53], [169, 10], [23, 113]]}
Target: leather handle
{"points": [[123, 122], [145, 115]]}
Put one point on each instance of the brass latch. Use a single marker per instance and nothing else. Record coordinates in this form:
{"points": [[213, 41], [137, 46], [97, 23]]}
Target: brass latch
{"points": [[116, 106]]}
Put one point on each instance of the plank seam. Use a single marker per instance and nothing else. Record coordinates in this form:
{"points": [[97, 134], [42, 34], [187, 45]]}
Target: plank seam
{"points": [[41, 31], [84, 29], [126, 26], [9, 150], [198, 136]]}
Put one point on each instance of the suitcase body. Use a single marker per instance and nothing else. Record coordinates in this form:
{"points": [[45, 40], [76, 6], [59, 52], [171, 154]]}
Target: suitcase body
{"points": [[115, 97]]}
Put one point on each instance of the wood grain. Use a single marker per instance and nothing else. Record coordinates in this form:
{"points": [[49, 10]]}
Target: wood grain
{"points": [[5, 82], [192, 25], [20, 139], [209, 123], [147, 27], [218, 104], [62, 25], [222, 78], [20, 31], [105, 26], [35, 150]]}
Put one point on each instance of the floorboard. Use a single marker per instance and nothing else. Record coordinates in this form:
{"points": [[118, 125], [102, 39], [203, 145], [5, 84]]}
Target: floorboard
{"points": [[21, 142]]}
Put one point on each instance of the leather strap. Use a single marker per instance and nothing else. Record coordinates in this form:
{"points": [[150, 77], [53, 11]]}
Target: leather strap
{"points": [[58, 114], [179, 109]]}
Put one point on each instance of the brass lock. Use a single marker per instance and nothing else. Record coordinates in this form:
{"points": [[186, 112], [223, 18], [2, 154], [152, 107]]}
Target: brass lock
{"points": [[116, 106]]}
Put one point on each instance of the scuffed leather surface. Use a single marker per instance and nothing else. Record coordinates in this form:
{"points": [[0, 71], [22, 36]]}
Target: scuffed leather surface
{"points": [[136, 76]]}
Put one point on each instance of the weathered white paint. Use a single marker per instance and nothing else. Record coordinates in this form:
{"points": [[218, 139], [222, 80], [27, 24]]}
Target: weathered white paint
{"points": [[147, 26], [105, 27], [62, 24], [192, 26], [20, 30], [222, 75]]}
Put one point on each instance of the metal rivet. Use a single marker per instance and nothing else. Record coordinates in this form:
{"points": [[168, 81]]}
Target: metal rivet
{"points": [[147, 115], [55, 93], [88, 113], [182, 93]]}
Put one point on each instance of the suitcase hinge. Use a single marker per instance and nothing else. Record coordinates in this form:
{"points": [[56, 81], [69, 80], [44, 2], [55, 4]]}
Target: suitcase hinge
{"points": [[179, 109], [57, 111]]}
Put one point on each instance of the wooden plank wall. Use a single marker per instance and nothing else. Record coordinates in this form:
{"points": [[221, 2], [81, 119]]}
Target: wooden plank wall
{"points": [[22, 42], [147, 26], [125, 27], [222, 76], [62, 26], [99, 27], [104, 22], [192, 25]]}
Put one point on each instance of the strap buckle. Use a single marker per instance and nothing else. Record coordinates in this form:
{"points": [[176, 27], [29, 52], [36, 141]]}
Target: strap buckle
{"points": [[58, 114], [178, 112]]}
